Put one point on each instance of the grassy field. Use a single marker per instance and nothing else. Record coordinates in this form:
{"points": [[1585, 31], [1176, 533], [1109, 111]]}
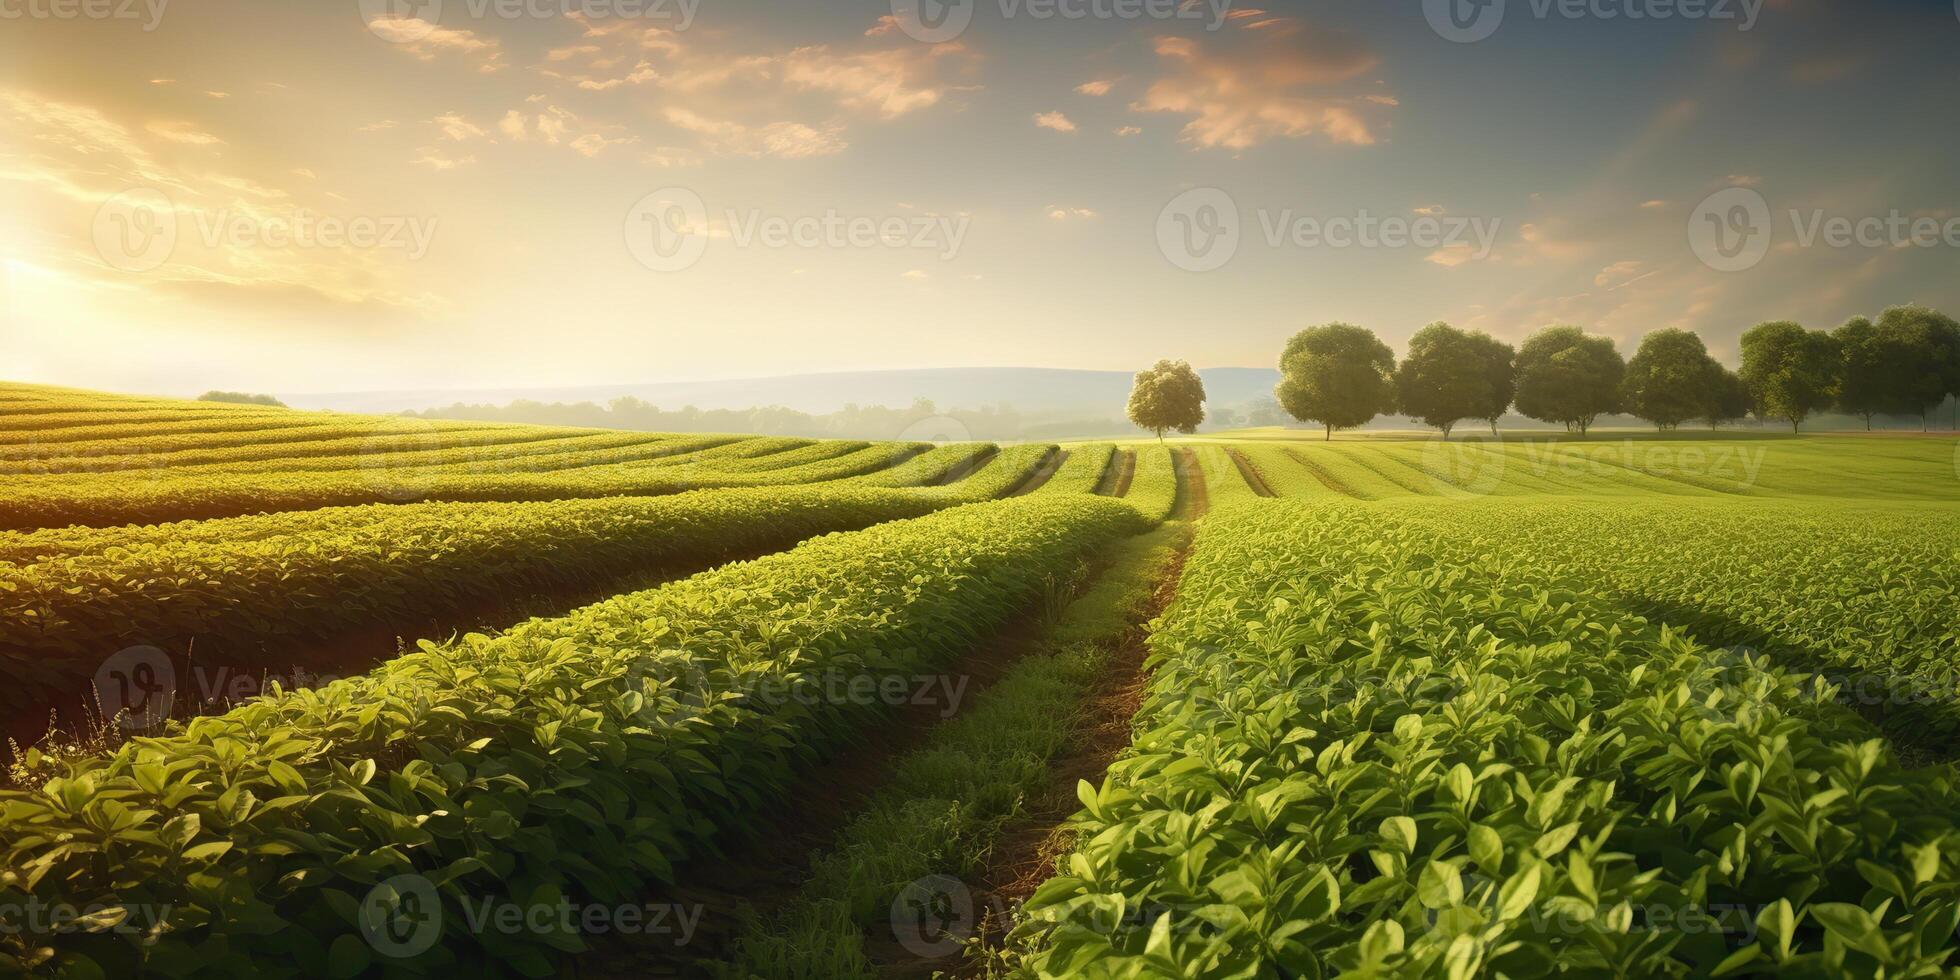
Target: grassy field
{"points": [[336, 696]]}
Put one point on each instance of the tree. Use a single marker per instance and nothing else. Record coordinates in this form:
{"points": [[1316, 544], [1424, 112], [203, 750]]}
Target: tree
{"points": [[1444, 379], [1791, 372], [1666, 383], [1864, 387], [1566, 376], [1500, 369], [241, 398], [1168, 396], [1921, 352], [1728, 398], [1337, 374]]}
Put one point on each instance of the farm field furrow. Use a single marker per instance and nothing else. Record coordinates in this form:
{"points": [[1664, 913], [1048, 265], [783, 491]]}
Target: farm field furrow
{"points": [[1154, 483], [241, 601], [1343, 470], [580, 755], [54, 501], [1083, 470], [1284, 473], [338, 453], [1480, 765]]}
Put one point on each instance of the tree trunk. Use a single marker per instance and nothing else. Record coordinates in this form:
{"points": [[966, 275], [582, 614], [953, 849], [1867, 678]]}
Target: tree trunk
{"points": [[1493, 428], [1330, 433], [1794, 423]]}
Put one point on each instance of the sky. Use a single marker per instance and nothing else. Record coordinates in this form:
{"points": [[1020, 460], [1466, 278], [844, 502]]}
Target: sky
{"points": [[343, 195]]}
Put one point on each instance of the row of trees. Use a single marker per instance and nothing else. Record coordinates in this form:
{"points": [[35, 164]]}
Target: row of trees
{"points": [[1341, 376]]}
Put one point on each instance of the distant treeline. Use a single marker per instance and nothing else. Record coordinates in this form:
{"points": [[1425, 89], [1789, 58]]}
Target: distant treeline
{"points": [[1905, 363], [922, 420], [241, 398]]}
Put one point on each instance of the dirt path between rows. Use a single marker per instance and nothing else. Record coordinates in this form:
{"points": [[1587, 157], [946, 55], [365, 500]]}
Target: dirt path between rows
{"points": [[1252, 476], [766, 869], [1116, 476], [1032, 843]]}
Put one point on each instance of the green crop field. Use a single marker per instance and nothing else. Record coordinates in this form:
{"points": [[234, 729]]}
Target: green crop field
{"points": [[298, 694]]}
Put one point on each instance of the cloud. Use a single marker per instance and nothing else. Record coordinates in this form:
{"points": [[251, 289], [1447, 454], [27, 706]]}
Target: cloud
{"points": [[1250, 93], [1098, 87], [1430, 210], [69, 159], [182, 132], [1744, 180], [1055, 121], [786, 140], [435, 159], [913, 274], [1063, 213], [1128, 130], [455, 127], [428, 41], [1452, 255], [890, 83], [1653, 205]]}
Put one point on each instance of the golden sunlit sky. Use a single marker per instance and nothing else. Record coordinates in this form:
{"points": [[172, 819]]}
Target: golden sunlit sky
{"points": [[333, 195]]}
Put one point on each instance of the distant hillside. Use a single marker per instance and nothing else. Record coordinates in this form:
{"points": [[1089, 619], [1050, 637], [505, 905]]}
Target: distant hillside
{"points": [[1044, 391]]}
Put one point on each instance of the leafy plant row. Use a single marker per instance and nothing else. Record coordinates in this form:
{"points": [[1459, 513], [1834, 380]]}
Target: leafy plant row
{"points": [[1281, 472], [1870, 598], [1154, 485], [243, 599], [580, 756], [1082, 471], [424, 449], [54, 501], [947, 802], [1382, 746]]}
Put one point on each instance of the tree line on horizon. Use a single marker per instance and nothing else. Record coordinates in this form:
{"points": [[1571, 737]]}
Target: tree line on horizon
{"points": [[1339, 376]]}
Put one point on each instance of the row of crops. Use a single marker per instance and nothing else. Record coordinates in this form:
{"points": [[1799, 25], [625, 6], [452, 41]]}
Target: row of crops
{"points": [[588, 754], [1910, 468], [1410, 741]]}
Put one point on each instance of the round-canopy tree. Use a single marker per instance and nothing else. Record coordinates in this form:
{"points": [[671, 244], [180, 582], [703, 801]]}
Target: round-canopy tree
{"points": [[1500, 368], [1728, 398], [1920, 349], [1791, 372], [1568, 377], [1445, 378], [1338, 375], [1666, 383], [1864, 388], [1168, 396]]}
